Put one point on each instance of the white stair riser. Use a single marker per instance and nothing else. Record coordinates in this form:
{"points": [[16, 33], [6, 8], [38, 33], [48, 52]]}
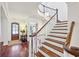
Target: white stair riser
{"points": [[57, 34], [53, 50], [59, 31], [61, 24], [60, 28], [53, 43], [55, 38]]}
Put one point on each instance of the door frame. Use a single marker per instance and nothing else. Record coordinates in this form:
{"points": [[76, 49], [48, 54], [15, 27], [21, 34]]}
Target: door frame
{"points": [[12, 29]]}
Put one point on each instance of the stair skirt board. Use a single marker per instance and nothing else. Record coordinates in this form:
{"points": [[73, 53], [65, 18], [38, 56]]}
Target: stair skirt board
{"points": [[53, 50], [53, 43], [59, 39]]}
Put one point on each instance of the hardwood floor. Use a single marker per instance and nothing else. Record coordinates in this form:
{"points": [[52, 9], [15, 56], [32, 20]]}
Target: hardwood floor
{"points": [[18, 50]]}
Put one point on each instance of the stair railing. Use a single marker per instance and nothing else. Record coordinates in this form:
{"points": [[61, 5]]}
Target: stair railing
{"points": [[71, 50], [34, 36]]}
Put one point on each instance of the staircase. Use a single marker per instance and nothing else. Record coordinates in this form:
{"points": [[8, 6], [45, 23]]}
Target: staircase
{"points": [[53, 44], [56, 41]]}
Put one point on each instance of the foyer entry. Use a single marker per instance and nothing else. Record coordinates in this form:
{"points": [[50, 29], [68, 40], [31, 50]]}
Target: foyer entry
{"points": [[14, 31]]}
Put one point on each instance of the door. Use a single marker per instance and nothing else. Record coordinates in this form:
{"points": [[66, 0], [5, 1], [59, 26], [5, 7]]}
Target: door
{"points": [[15, 31]]}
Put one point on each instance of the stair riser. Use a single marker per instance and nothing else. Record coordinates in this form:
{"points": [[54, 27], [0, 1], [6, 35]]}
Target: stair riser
{"points": [[53, 50], [60, 28], [63, 35], [56, 41], [59, 31], [62, 24], [59, 39], [57, 36], [56, 44]]}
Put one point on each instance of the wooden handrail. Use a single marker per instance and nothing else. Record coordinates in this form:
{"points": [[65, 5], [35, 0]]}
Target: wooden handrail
{"points": [[67, 43], [72, 50], [34, 34]]}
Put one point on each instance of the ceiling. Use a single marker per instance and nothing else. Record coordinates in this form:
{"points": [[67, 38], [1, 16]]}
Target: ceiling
{"points": [[23, 9]]}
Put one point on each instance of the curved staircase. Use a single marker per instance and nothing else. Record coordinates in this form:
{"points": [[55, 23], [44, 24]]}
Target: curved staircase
{"points": [[53, 44]]}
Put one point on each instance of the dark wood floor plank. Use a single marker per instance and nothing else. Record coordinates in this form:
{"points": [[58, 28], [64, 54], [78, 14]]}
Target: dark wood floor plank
{"points": [[17, 50]]}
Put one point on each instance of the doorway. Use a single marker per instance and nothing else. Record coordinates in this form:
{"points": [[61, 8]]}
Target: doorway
{"points": [[14, 31]]}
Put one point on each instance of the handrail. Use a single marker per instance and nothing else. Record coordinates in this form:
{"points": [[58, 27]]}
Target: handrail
{"points": [[34, 34], [70, 34], [72, 50]]}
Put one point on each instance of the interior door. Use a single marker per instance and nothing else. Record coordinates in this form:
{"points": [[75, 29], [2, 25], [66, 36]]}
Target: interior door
{"points": [[15, 31]]}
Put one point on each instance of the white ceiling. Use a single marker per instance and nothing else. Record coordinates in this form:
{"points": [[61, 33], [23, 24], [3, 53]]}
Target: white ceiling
{"points": [[23, 9]]}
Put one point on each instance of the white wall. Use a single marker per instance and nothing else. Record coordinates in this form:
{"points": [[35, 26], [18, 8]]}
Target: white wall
{"points": [[62, 9], [4, 23], [73, 11], [0, 22]]}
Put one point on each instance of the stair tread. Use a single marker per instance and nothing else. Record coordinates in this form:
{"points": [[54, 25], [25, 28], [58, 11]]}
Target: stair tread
{"points": [[50, 53], [57, 36], [54, 47], [61, 26], [53, 40], [59, 29], [39, 54], [59, 32]]}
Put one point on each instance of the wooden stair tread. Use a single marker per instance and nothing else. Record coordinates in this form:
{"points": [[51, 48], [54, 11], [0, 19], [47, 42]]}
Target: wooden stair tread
{"points": [[59, 32], [57, 36], [53, 40], [54, 47], [50, 53], [64, 21], [38, 54], [61, 26], [59, 29]]}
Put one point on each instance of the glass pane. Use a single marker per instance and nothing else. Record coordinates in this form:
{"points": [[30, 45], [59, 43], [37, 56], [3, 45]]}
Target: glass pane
{"points": [[15, 29]]}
